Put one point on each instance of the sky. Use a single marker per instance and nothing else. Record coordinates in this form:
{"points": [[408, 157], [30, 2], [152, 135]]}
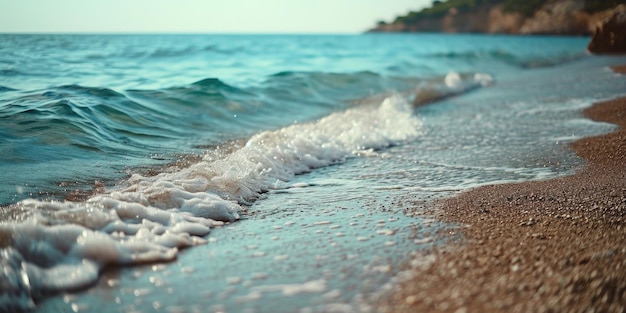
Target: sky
{"points": [[199, 16]]}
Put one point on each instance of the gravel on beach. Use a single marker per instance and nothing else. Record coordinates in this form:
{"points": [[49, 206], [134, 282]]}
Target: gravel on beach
{"points": [[542, 246]]}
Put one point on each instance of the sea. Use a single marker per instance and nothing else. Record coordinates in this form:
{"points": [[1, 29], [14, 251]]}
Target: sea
{"points": [[264, 173]]}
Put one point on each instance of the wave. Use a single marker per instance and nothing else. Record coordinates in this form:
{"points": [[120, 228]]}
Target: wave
{"points": [[539, 62], [148, 219], [95, 118], [326, 86], [349, 87], [522, 61], [211, 110], [452, 84], [205, 92], [131, 122], [469, 56], [162, 52], [93, 126], [10, 72], [107, 120]]}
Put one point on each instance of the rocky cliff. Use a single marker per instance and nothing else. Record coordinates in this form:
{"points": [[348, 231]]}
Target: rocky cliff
{"points": [[609, 37], [555, 17]]}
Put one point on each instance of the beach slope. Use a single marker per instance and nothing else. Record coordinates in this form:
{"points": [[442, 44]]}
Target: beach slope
{"points": [[543, 246]]}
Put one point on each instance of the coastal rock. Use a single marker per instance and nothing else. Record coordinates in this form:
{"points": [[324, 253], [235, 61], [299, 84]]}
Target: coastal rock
{"points": [[501, 22], [609, 37], [558, 18], [554, 17], [475, 22]]}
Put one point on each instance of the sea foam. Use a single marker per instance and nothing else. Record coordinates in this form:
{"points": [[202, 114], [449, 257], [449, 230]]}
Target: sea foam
{"points": [[64, 245]]}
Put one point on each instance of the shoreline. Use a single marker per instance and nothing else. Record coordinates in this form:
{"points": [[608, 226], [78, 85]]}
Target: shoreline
{"points": [[541, 246]]}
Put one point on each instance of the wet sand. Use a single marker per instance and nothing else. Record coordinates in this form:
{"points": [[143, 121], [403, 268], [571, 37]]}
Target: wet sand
{"points": [[544, 246]]}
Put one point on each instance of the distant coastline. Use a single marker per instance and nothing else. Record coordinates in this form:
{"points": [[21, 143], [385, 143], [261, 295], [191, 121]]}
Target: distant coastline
{"points": [[536, 17]]}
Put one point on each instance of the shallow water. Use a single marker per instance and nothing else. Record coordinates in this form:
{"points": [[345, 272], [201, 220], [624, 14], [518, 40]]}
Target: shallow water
{"points": [[303, 157]]}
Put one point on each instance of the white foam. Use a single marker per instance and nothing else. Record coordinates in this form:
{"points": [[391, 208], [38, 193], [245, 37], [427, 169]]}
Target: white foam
{"points": [[64, 245], [314, 286], [450, 85]]}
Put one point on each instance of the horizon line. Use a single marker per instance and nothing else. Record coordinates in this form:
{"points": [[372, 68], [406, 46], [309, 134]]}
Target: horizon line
{"points": [[172, 33]]}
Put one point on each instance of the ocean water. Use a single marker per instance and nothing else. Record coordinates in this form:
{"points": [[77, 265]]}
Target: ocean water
{"points": [[263, 173]]}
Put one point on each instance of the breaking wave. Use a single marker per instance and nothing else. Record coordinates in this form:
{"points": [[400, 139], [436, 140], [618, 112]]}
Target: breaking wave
{"points": [[64, 245]]}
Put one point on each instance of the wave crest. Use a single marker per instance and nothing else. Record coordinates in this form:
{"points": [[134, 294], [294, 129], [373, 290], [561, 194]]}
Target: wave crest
{"points": [[152, 217]]}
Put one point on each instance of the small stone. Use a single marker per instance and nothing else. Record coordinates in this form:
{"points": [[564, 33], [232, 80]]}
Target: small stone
{"points": [[410, 300], [538, 236]]}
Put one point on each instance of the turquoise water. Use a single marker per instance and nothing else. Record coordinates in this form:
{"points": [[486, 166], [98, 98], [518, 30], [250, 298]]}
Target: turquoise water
{"points": [[305, 151], [91, 105]]}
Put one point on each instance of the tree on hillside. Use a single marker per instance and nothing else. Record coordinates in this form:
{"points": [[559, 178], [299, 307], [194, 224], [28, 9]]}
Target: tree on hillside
{"points": [[592, 6], [440, 8], [526, 8]]}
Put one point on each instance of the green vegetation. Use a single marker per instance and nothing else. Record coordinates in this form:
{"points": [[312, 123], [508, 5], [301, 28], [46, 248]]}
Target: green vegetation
{"points": [[527, 8], [441, 8], [592, 6]]}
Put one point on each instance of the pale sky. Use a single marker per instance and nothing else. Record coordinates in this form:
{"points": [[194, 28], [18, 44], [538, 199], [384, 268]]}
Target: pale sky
{"points": [[204, 16]]}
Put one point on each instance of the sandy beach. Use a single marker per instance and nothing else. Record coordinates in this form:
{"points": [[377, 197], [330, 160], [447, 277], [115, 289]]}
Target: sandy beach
{"points": [[543, 246]]}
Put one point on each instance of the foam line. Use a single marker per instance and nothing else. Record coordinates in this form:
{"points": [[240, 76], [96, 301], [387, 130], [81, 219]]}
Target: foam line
{"points": [[64, 245]]}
